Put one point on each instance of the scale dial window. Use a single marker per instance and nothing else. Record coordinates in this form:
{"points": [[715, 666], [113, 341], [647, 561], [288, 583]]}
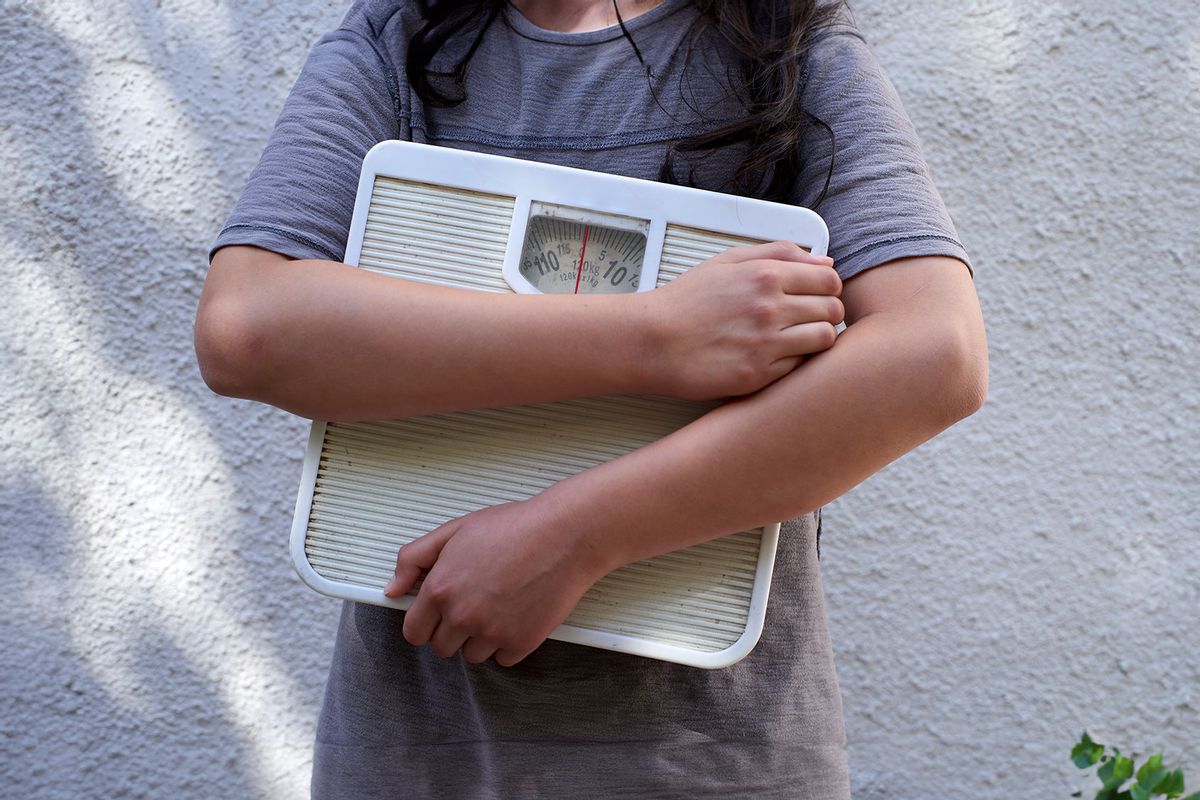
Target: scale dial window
{"points": [[575, 251]]}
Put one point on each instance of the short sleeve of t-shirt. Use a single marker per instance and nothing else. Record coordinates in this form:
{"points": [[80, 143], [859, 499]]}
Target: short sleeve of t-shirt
{"points": [[881, 203], [299, 199]]}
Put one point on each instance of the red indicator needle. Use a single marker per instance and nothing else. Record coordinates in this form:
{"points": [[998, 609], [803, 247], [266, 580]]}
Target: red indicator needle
{"points": [[582, 250]]}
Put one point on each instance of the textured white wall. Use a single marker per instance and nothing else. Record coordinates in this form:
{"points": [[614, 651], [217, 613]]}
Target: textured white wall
{"points": [[1033, 571]]}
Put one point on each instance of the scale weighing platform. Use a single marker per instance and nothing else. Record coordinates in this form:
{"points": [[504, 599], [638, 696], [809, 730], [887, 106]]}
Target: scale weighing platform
{"points": [[498, 224]]}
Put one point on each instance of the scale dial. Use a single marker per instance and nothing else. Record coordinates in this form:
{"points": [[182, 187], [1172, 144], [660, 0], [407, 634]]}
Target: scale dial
{"points": [[571, 251]]}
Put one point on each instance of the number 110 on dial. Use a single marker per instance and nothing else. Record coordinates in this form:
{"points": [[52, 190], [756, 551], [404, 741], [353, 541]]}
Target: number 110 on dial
{"points": [[574, 251]]}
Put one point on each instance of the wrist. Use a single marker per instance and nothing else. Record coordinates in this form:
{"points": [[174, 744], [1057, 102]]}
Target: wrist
{"points": [[580, 525], [648, 338]]}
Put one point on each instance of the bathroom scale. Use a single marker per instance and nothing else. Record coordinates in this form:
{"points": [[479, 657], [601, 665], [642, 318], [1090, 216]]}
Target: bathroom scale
{"points": [[498, 224]]}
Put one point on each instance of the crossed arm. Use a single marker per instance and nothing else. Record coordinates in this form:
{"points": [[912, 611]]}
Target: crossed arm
{"points": [[910, 363]]}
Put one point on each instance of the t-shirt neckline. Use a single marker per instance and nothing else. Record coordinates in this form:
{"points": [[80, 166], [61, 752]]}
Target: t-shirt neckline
{"points": [[521, 23]]}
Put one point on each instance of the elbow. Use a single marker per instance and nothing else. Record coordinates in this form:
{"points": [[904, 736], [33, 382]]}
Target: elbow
{"points": [[969, 390], [962, 371], [230, 346]]}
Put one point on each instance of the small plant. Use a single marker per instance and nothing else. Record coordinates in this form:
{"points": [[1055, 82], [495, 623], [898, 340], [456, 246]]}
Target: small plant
{"points": [[1151, 780]]}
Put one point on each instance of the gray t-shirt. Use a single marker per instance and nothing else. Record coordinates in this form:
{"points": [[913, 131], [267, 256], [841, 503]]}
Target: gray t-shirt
{"points": [[570, 720]]}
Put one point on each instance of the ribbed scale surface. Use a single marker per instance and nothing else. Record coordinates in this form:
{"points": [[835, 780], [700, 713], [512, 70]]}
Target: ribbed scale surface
{"points": [[432, 234], [684, 248], [382, 484]]}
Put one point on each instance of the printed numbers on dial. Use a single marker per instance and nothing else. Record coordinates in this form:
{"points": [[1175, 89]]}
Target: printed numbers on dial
{"points": [[563, 256]]}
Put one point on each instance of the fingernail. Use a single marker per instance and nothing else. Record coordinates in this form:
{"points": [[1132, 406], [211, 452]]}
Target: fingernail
{"points": [[391, 589]]}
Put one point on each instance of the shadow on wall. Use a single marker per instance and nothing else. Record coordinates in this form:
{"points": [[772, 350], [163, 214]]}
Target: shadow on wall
{"points": [[155, 728], [161, 634]]}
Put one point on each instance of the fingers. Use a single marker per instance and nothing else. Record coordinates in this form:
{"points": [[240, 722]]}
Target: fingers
{"points": [[507, 658], [420, 621], [797, 342], [807, 278], [416, 557], [446, 640], [797, 270], [807, 338], [802, 308], [422, 626], [781, 251], [478, 650]]}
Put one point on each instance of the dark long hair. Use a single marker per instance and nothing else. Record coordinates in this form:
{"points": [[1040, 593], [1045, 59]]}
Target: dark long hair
{"points": [[770, 39]]}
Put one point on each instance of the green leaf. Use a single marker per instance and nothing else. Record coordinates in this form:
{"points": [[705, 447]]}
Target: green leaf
{"points": [[1151, 767], [1148, 778], [1115, 772], [1087, 753], [1171, 785], [1193, 796]]}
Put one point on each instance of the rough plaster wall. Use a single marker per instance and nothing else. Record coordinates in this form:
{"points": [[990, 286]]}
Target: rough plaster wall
{"points": [[1034, 570], [156, 642], [1029, 573]]}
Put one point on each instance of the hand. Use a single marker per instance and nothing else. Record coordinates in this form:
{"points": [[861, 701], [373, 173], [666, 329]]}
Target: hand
{"points": [[497, 581], [743, 319]]}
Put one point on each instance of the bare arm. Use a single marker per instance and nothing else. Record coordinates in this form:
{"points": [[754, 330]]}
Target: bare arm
{"points": [[912, 361], [329, 341]]}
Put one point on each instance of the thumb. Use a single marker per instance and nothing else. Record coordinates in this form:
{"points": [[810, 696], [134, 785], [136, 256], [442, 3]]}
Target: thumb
{"points": [[418, 556]]}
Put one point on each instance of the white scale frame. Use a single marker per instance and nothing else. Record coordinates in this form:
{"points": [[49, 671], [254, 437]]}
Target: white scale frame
{"points": [[702, 606]]}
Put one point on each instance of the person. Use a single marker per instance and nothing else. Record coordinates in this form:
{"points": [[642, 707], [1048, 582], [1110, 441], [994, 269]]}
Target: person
{"points": [[461, 696]]}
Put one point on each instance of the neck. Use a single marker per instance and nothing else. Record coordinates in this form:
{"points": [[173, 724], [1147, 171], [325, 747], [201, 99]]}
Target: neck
{"points": [[579, 16]]}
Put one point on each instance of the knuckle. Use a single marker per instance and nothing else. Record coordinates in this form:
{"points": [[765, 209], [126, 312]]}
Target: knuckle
{"points": [[746, 374], [764, 279], [458, 618], [437, 591], [761, 311], [832, 282], [837, 311], [466, 619], [787, 250]]}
